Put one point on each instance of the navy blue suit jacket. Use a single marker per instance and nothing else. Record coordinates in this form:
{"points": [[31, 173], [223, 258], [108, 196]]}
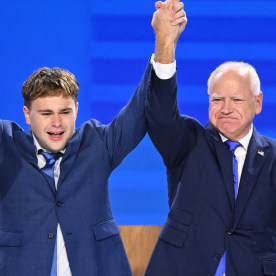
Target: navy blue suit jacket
{"points": [[29, 212], [203, 220]]}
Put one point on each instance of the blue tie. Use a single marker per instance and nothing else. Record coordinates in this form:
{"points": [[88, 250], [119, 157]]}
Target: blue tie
{"points": [[232, 146], [51, 159]]}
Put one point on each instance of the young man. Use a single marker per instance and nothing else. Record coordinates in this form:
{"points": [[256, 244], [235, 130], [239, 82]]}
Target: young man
{"points": [[40, 211], [55, 213], [221, 178]]}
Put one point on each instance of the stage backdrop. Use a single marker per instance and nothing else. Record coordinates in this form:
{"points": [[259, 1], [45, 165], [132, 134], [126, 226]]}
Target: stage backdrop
{"points": [[107, 44]]}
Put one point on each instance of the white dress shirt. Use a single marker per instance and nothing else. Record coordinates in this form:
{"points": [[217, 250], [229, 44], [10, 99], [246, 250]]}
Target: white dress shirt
{"points": [[163, 71], [63, 268]]}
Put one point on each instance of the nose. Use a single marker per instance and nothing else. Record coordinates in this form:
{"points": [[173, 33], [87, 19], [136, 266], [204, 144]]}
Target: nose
{"points": [[56, 120], [227, 107]]}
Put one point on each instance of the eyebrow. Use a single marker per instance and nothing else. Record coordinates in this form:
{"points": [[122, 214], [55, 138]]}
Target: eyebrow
{"points": [[49, 110], [66, 109], [232, 97], [216, 96]]}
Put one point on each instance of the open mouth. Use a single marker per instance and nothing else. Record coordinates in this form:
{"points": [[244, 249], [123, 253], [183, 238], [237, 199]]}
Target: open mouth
{"points": [[56, 135]]}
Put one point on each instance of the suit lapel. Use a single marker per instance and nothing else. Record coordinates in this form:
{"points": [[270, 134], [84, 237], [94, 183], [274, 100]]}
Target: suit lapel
{"points": [[256, 155], [25, 144], [70, 155], [224, 158]]}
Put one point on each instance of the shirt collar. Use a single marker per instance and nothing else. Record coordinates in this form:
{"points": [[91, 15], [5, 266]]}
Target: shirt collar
{"points": [[38, 147], [243, 141]]}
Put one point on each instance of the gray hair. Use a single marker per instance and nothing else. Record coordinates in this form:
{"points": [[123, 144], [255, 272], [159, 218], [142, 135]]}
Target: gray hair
{"points": [[232, 65]]}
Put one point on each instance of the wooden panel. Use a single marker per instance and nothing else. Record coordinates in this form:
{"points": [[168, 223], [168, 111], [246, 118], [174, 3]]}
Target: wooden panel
{"points": [[139, 242]]}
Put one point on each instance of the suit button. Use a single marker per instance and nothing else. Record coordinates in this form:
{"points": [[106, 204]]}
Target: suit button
{"points": [[51, 235], [59, 203], [229, 233]]}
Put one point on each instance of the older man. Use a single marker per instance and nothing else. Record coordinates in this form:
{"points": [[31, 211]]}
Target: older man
{"points": [[221, 177]]}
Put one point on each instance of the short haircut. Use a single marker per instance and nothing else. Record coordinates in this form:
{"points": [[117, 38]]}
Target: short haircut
{"points": [[49, 82], [233, 65]]}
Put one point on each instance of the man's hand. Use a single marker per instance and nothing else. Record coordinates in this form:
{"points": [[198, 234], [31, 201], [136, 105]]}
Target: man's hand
{"points": [[168, 23]]}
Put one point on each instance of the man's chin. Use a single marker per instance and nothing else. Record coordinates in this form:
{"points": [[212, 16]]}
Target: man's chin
{"points": [[226, 132], [55, 147], [226, 129]]}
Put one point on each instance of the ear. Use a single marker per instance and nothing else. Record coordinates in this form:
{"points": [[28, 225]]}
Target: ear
{"points": [[27, 115], [76, 109], [259, 102]]}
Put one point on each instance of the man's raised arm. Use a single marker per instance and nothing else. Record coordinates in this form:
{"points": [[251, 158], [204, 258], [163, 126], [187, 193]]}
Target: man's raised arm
{"points": [[168, 22]]}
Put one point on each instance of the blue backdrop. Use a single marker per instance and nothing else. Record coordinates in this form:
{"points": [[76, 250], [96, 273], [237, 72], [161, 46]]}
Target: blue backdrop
{"points": [[107, 44]]}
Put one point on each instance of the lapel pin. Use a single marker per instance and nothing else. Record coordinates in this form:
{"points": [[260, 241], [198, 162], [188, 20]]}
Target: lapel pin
{"points": [[261, 153]]}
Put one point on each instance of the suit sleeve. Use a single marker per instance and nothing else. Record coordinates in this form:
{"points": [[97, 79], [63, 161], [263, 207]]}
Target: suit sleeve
{"points": [[171, 133], [129, 127]]}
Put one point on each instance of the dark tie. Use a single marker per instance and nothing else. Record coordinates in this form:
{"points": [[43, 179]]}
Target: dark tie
{"points": [[51, 159], [232, 146]]}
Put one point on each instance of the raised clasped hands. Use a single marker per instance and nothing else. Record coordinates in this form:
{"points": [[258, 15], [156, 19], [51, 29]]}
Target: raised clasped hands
{"points": [[168, 22]]}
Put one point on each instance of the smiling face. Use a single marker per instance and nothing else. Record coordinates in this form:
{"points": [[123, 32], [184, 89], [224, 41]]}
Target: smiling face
{"points": [[52, 120], [232, 106]]}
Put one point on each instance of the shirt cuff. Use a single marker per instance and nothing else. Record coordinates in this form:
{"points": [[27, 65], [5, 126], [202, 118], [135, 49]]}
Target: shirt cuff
{"points": [[163, 71]]}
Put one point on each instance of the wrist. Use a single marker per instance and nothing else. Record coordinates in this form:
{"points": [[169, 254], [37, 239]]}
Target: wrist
{"points": [[164, 52]]}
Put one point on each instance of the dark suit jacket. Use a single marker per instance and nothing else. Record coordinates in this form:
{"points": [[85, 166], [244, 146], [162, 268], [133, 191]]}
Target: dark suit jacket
{"points": [[203, 220], [29, 208]]}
